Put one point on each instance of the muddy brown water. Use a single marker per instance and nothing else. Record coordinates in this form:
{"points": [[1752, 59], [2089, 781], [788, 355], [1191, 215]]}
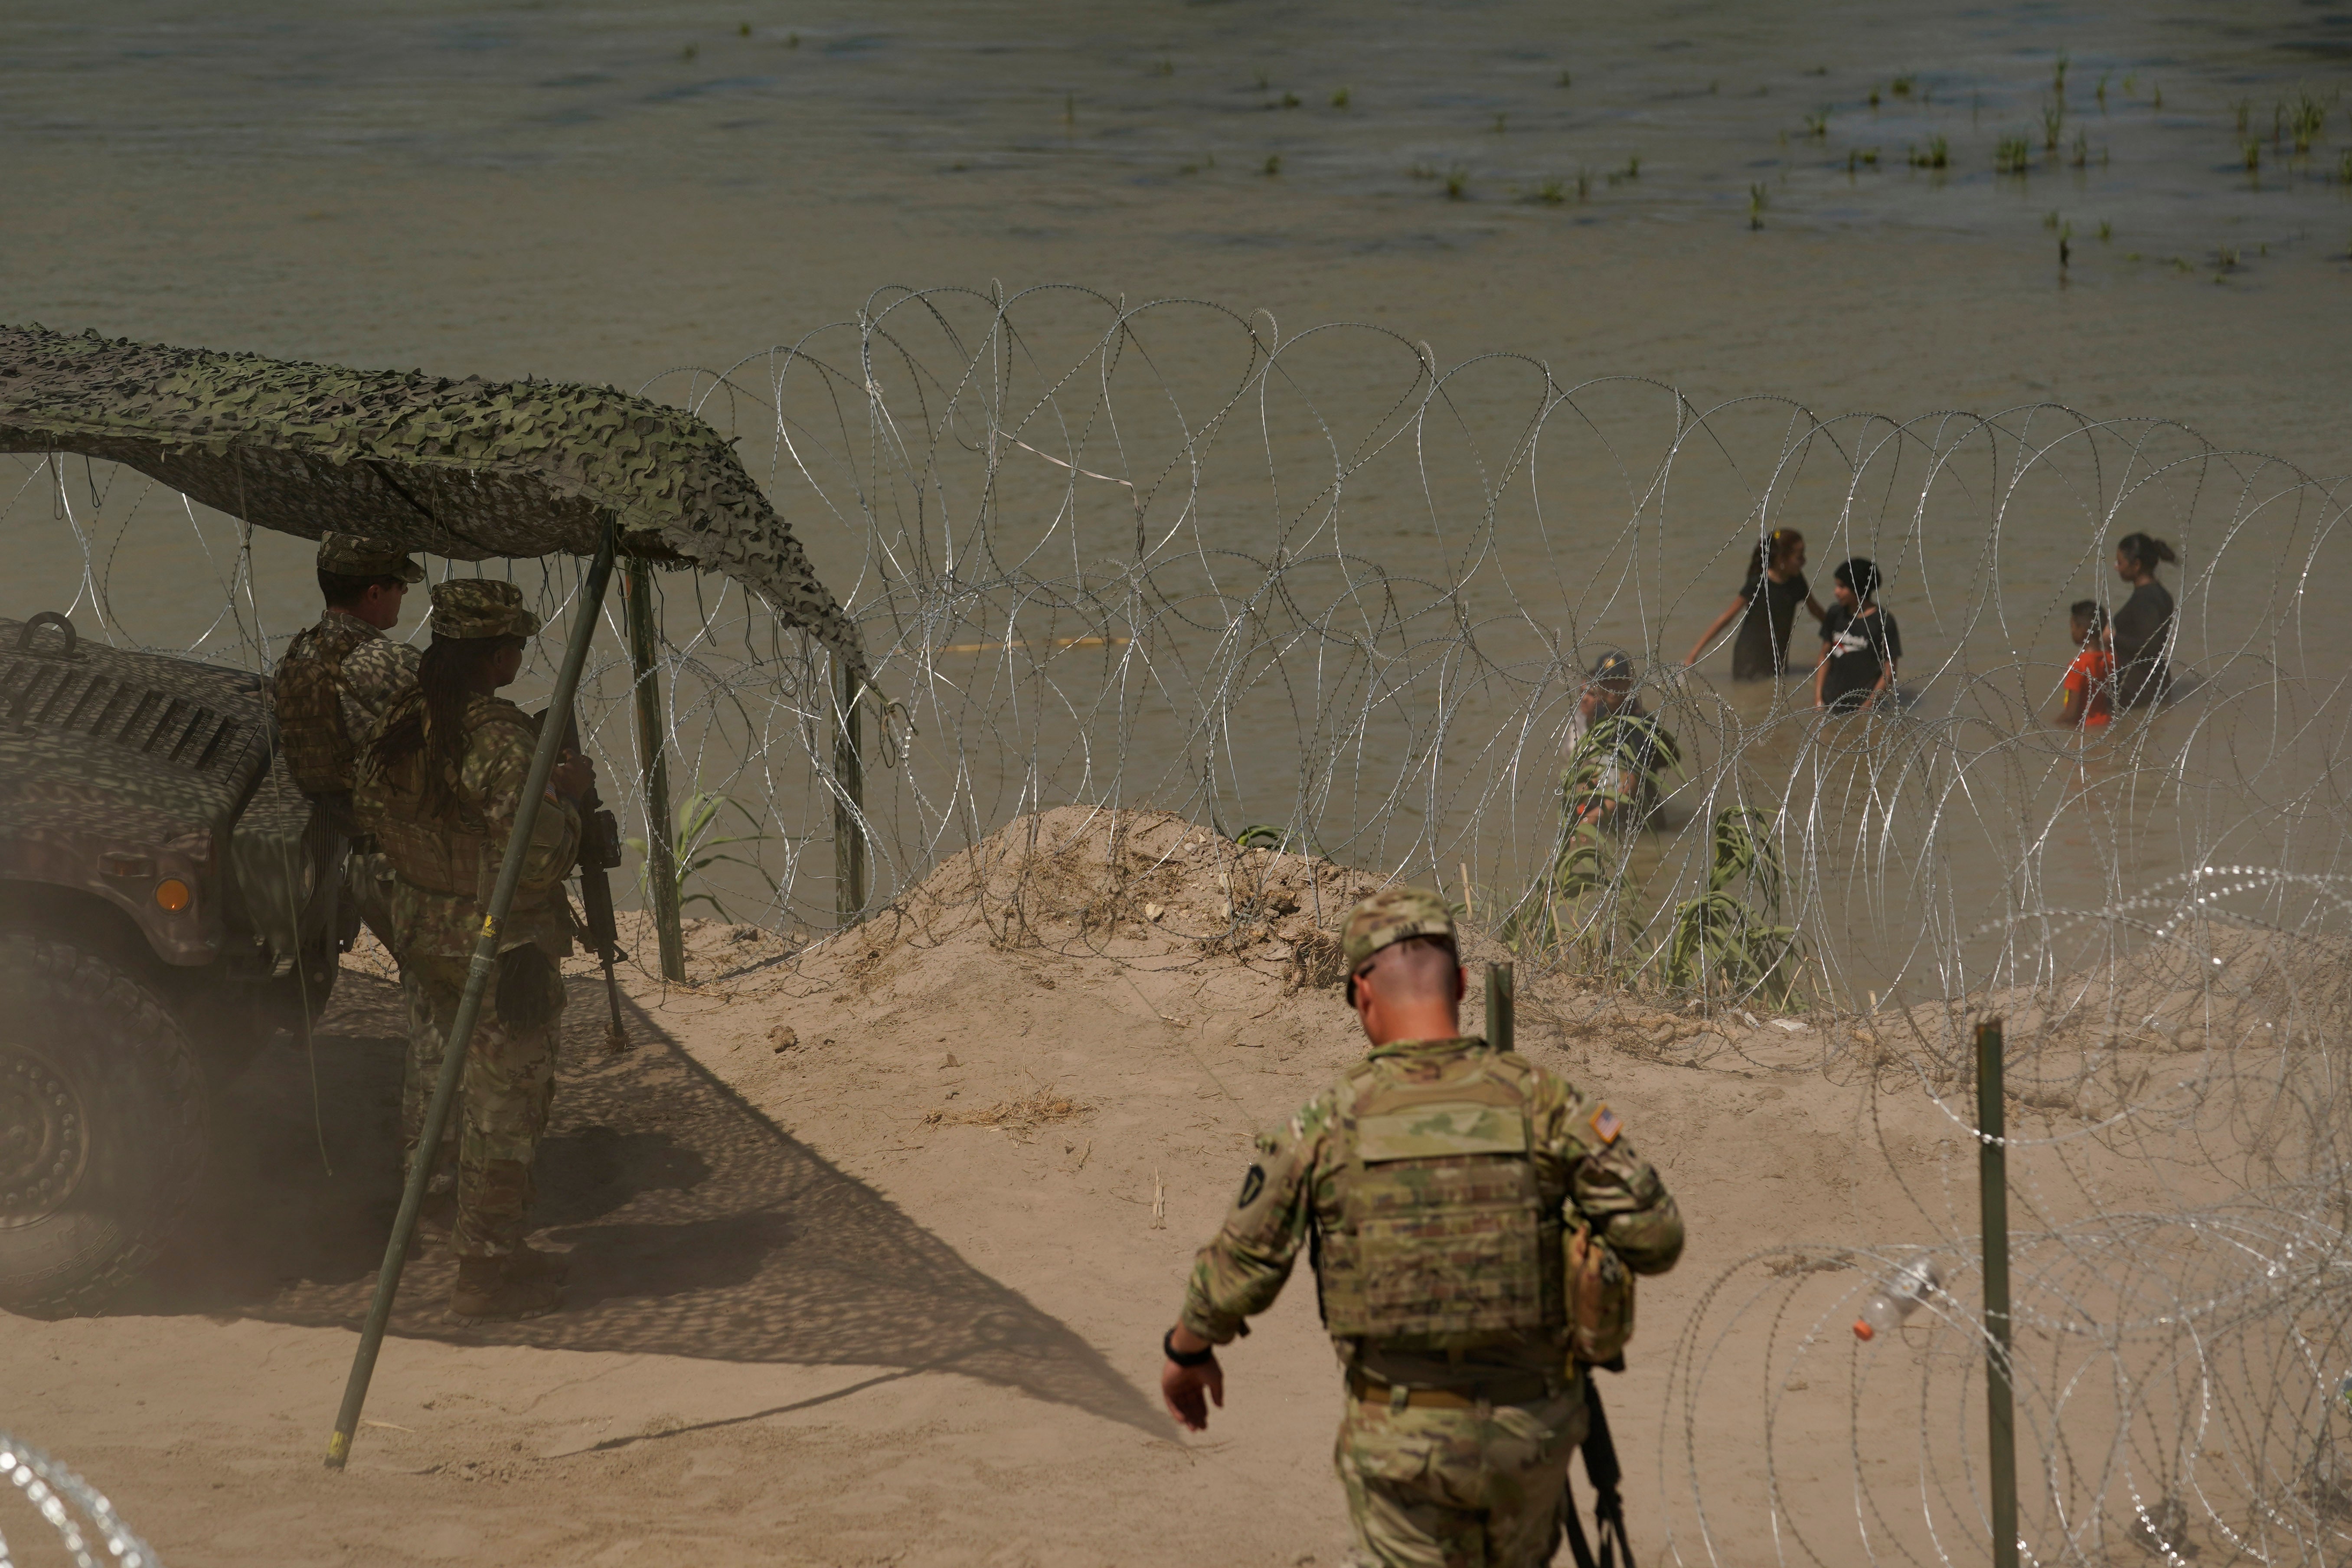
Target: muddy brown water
{"points": [[609, 193]]}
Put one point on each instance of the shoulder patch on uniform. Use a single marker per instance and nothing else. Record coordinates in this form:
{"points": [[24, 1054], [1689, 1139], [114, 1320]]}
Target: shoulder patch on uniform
{"points": [[1605, 1125], [1252, 1185]]}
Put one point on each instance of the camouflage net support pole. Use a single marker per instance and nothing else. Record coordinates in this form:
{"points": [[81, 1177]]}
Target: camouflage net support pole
{"points": [[2001, 1410], [470, 1006], [849, 807], [653, 759]]}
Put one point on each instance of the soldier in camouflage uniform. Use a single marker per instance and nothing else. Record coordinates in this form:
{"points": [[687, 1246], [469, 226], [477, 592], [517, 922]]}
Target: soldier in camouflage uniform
{"points": [[440, 788], [1434, 1184], [335, 682]]}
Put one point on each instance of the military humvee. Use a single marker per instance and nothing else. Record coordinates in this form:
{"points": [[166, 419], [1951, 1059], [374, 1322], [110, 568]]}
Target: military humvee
{"points": [[169, 898], [168, 902]]}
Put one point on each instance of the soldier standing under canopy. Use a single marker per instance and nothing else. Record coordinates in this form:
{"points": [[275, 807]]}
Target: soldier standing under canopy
{"points": [[332, 687], [440, 788], [1437, 1179]]}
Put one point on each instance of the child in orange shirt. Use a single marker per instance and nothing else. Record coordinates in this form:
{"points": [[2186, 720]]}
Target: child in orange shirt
{"points": [[2090, 680]]}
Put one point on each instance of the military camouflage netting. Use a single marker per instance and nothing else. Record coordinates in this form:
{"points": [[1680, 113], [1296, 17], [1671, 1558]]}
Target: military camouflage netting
{"points": [[467, 469]]}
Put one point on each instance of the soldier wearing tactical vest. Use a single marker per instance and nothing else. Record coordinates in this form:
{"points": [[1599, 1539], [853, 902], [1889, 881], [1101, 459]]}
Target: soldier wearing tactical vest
{"points": [[1471, 1217], [439, 788], [332, 687]]}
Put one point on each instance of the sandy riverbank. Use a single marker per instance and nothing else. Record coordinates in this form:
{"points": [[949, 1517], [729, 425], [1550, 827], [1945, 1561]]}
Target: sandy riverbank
{"points": [[889, 1292]]}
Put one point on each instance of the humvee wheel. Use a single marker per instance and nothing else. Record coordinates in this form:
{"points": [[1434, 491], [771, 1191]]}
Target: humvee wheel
{"points": [[103, 1124]]}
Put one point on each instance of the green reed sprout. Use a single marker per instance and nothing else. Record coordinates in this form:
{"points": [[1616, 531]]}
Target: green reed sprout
{"points": [[696, 845], [1724, 945]]}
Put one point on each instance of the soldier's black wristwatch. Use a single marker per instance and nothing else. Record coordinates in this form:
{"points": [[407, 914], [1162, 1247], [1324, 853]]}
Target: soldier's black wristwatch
{"points": [[1201, 1357]]}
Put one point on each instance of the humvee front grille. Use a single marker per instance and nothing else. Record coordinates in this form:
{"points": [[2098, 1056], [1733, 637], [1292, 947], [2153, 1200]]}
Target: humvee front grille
{"points": [[38, 694]]}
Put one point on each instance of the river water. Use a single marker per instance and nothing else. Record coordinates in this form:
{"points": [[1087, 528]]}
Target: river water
{"points": [[1801, 205]]}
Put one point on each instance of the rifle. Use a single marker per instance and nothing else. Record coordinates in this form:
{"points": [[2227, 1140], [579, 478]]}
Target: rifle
{"points": [[600, 852], [1602, 1470]]}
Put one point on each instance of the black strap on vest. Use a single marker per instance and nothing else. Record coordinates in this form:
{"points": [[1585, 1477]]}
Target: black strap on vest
{"points": [[1601, 1467]]}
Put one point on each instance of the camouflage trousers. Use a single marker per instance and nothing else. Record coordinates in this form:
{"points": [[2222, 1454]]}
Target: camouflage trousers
{"points": [[367, 882], [1458, 1489], [508, 1085]]}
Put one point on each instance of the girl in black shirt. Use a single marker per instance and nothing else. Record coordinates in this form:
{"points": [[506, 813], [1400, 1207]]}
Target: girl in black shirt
{"points": [[1859, 643], [1766, 608], [2143, 623]]}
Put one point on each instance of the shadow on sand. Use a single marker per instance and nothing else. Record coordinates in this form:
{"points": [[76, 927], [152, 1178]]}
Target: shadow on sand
{"points": [[696, 1227]]}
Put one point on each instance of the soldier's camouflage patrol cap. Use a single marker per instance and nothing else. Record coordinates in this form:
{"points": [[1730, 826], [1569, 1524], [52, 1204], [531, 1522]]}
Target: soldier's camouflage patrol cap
{"points": [[1389, 916], [480, 608], [349, 555]]}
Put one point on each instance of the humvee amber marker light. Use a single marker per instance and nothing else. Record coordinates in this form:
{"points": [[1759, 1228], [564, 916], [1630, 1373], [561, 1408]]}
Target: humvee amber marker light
{"points": [[172, 895]]}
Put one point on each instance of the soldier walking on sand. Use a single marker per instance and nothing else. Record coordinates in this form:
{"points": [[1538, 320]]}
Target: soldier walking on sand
{"points": [[1450, 1193], [440, 788], [333, 686]]}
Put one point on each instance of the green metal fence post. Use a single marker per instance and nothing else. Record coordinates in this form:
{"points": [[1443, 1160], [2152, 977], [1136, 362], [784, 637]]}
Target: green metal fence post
{"points": [[2000, 1409], [1500, 1002], [469, 1007]]}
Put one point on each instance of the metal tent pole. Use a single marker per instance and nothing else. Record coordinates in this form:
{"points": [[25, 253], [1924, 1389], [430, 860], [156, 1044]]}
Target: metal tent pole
{"points": [[653, 760], [2000, 1409], [849, 769], [469, 1006]]}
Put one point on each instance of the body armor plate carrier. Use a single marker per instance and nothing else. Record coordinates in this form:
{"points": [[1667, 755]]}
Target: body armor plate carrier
{"points": [[1443, 1229], [452, 853]]}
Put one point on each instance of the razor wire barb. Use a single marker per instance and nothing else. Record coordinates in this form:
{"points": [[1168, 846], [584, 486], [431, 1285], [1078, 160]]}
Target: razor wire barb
{"points": [[1322, 591], [87, 1525]]}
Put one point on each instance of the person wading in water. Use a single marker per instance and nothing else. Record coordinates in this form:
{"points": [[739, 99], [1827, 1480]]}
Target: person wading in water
{"points": [[2143, 623], [1766, 609]]}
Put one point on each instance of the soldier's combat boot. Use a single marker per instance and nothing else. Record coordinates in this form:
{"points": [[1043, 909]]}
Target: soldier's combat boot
{"points": [[530, 1262], [488, 1292]]}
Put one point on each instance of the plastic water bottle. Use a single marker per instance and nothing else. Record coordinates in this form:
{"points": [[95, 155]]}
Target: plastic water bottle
{"points": [[1898, 1297]]}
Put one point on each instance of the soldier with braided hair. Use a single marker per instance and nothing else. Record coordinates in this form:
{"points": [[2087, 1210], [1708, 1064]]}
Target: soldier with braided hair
{"points": [[440, 788]]}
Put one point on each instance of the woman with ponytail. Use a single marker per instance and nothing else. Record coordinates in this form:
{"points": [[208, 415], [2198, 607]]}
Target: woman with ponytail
{"points": [[1766, 609], [441, 786], [2143, 623]]}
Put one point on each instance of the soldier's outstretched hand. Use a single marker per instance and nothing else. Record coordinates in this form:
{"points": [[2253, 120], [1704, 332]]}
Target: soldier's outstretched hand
{"points": [[1182, 1386]]}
